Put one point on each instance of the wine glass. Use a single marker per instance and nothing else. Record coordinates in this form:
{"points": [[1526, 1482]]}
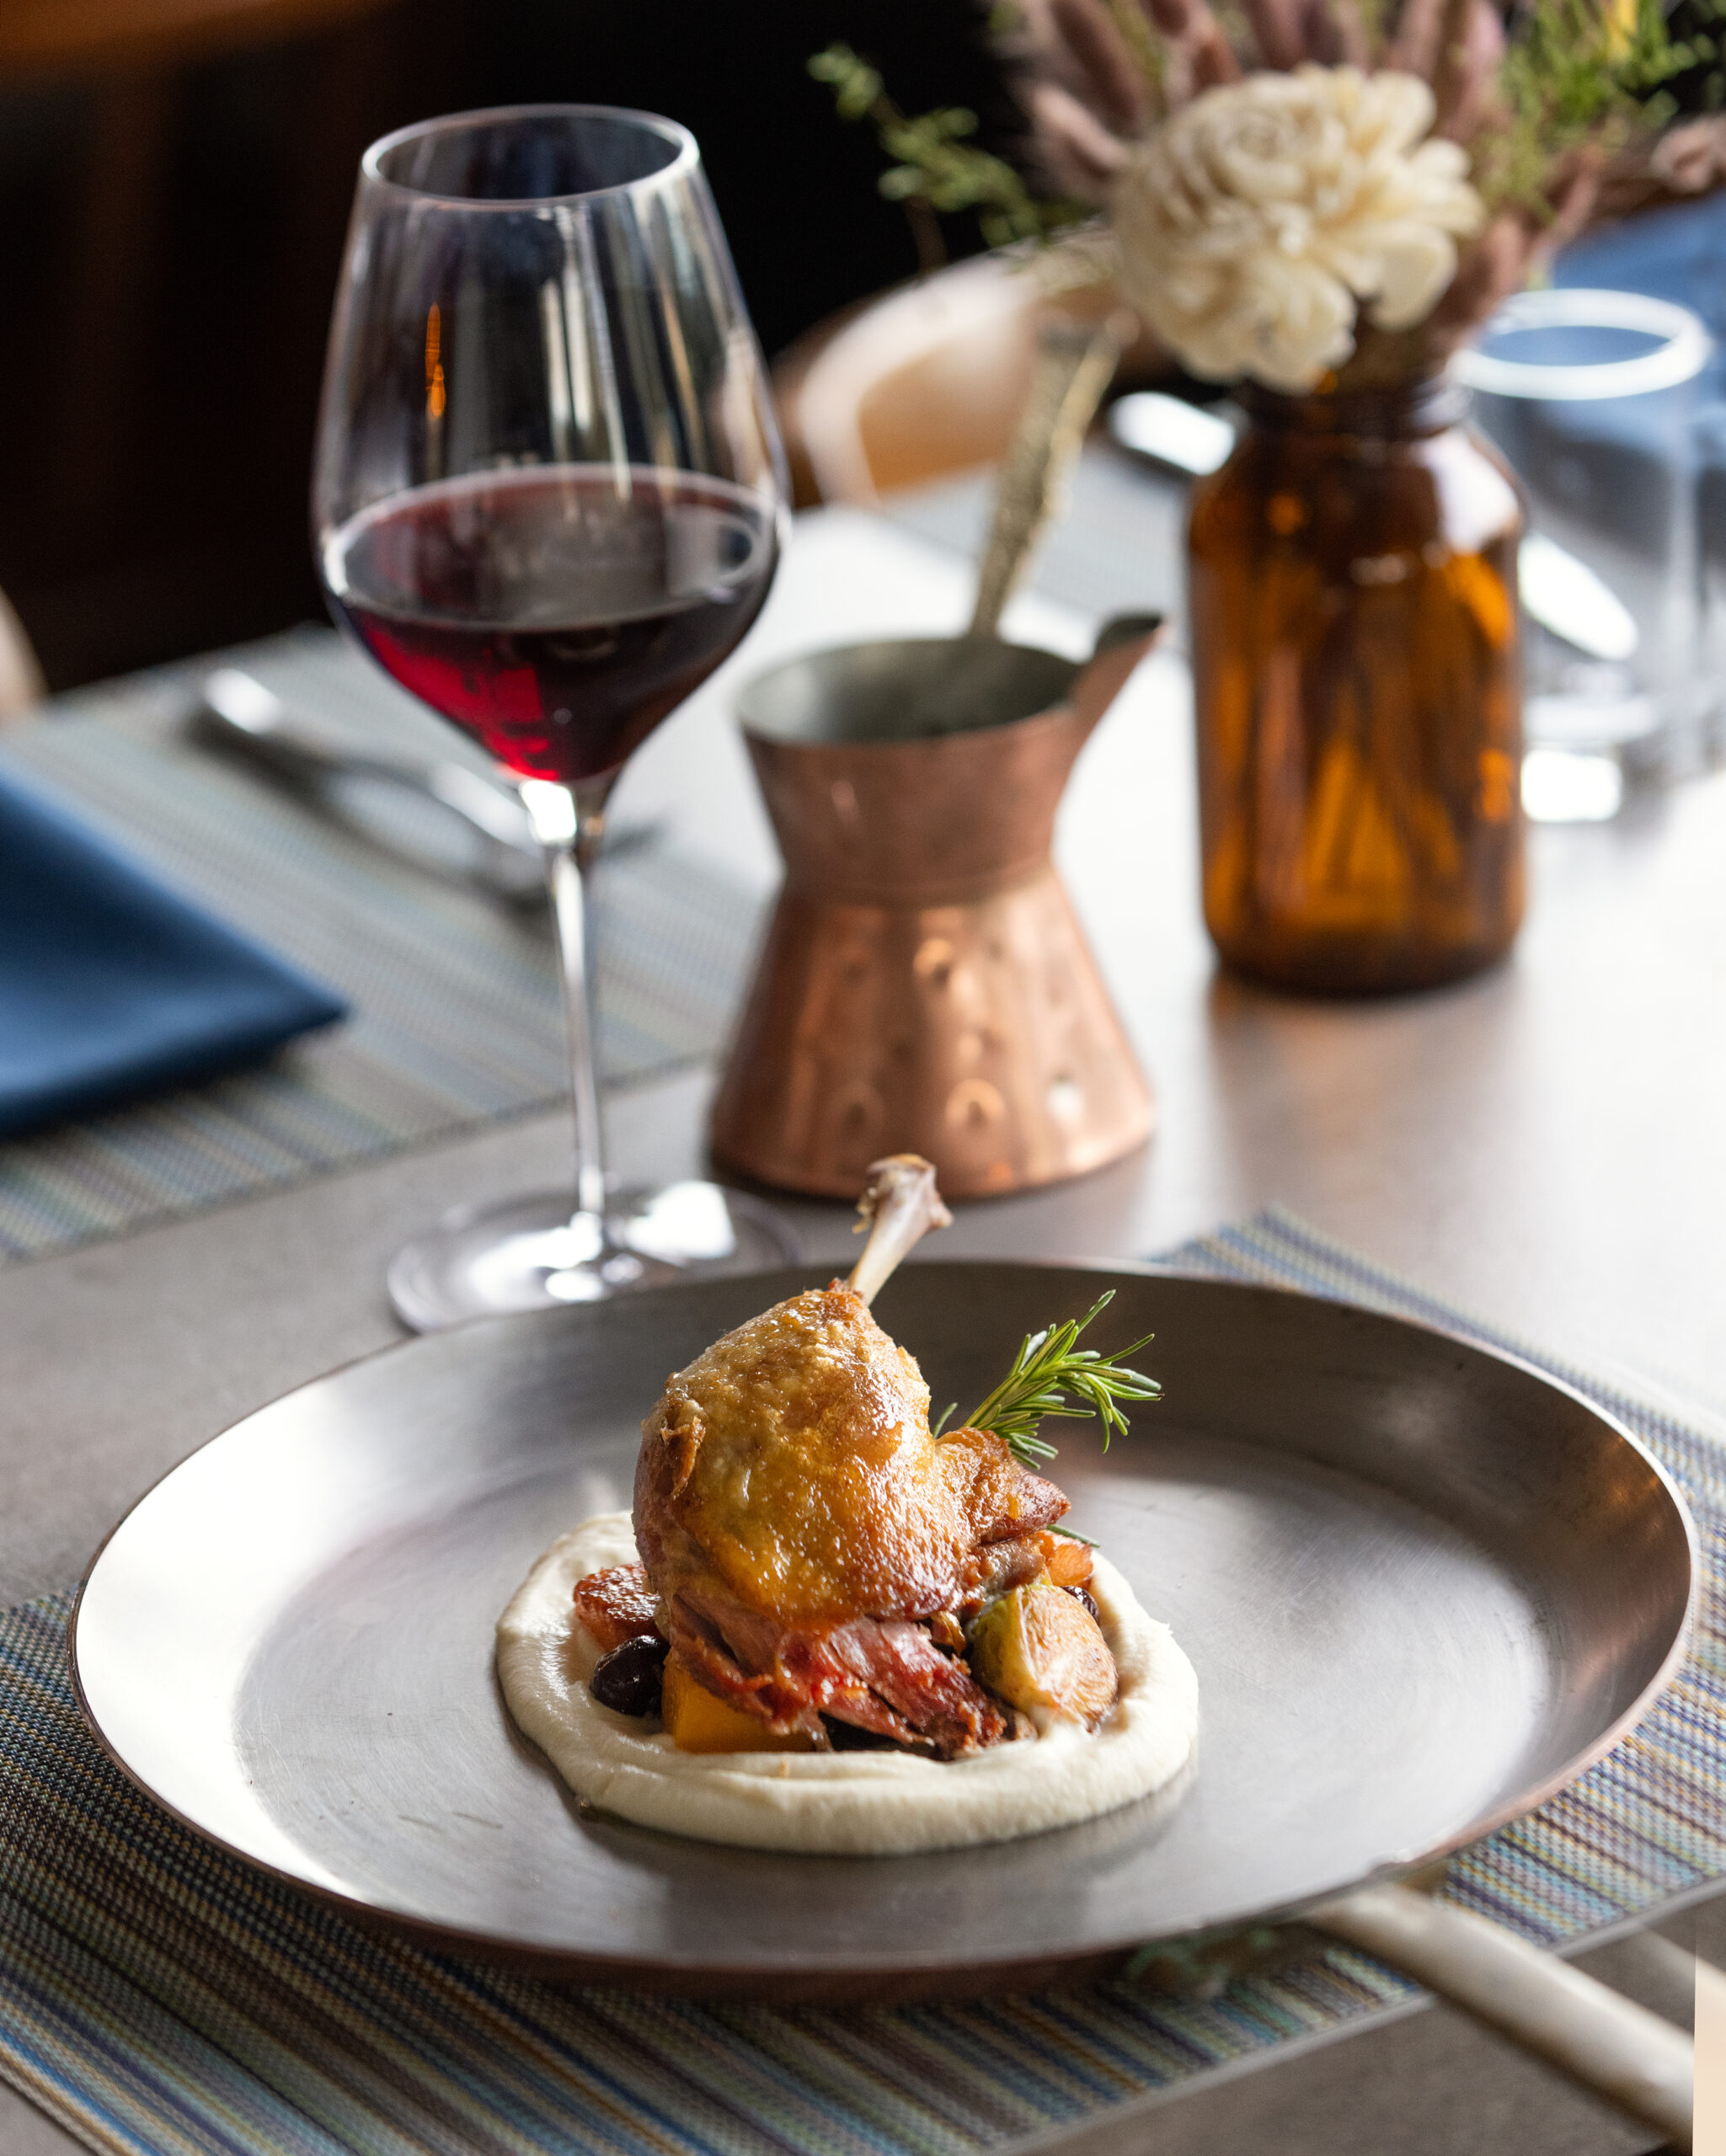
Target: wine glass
{"points": [[548, 499]]}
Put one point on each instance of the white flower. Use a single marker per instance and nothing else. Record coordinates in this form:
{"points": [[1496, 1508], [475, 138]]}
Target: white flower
{"points": [[1254, 221]]}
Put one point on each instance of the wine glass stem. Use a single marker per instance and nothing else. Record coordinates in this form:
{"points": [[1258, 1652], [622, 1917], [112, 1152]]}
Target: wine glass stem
{"points": [[568, 825]]}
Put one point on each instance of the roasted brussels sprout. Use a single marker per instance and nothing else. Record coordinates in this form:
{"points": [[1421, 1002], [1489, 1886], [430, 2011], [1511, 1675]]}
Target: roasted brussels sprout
{"points": [[1040, 1647]]}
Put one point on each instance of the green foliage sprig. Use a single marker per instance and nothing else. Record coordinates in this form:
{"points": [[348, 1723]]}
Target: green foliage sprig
{"points": [[933, 162], [1052, 1375], [1697, 29], [1574, 73]]}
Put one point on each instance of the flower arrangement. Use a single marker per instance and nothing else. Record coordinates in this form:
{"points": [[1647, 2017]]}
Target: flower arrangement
{"points": [[1302, 192], [1260, 218]]}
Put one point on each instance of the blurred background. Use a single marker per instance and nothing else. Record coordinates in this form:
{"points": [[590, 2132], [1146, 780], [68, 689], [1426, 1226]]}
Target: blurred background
{"points": [[175, 183]]}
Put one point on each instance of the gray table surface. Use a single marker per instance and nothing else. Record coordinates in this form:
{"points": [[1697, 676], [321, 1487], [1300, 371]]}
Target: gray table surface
{"points": [[1546, 1144]]}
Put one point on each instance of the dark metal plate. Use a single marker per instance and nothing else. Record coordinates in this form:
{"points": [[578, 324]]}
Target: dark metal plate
{"points": [[1423, 1586]]}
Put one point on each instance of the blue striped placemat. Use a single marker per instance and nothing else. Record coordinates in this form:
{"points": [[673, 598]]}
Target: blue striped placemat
{"points": [[455, 995], [157, 1996]]}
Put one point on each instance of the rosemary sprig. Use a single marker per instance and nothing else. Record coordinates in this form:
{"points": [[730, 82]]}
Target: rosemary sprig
{"points": [[1052, 1375]]}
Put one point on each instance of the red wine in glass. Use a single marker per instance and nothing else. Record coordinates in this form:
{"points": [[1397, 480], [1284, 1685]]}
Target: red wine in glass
{"points": [[526, 294], [556, 612]]}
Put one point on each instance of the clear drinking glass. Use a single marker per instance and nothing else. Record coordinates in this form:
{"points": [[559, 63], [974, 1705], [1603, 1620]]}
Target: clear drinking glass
{"points": [[547, 499], [1591, 396]]}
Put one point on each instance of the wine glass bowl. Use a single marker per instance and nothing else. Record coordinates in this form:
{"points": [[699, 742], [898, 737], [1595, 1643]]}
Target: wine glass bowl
{"points": [[547, 500], [551, 612]]}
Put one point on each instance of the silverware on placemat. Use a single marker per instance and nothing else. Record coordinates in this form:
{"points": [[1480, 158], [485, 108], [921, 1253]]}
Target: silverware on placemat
{"points": [[237, 711]]}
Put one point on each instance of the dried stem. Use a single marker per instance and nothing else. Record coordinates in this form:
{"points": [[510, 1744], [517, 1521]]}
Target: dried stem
{"points": [[1414, 48], [1094, 44], [1080, 155], [1454, 65], [1190, 25], [1277, 29]]}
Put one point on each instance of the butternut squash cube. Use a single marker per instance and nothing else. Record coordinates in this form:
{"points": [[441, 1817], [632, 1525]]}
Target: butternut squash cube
{"points": [[698, 1720]]}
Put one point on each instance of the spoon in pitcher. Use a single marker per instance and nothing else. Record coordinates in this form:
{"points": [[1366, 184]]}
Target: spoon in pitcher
{"points": [[1074, 365]]}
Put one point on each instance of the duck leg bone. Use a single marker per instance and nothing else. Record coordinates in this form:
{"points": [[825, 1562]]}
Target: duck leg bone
{"points": [[899, 1205]]}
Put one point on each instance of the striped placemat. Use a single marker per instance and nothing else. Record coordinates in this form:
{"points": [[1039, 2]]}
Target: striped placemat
{"points": [[157, 1996], [454, 992]]}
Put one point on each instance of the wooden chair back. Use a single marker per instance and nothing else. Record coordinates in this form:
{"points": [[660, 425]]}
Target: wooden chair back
{"points": [[926, 380]]}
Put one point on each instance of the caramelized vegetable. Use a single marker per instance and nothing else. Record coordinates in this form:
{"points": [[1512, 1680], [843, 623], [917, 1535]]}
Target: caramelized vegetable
{"points": [[616, 1604], [1069, 1562], [1040, 1646], [698, 1721]]}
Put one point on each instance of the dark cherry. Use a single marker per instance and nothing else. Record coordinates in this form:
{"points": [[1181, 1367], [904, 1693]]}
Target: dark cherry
{"points": [[1084, 1594], [627, 1678]]}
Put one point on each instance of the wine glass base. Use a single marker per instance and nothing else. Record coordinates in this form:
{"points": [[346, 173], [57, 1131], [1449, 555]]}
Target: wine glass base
{"points": [[524, 1255]]}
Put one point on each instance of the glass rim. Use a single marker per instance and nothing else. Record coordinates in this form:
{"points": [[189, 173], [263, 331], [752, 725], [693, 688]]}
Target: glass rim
{"points": [[687, 159], [1681, 356]]}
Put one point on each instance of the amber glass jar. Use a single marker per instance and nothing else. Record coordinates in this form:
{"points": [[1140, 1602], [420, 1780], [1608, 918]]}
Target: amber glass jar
{"points": [[1355, 652]]}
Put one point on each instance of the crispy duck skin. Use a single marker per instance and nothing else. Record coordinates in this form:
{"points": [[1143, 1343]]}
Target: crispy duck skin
{"points": [[797, 1519], [998, 1567]]}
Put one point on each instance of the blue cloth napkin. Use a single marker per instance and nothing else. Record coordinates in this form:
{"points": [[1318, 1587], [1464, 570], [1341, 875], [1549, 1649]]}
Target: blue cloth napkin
{"points": [[111, 985]]}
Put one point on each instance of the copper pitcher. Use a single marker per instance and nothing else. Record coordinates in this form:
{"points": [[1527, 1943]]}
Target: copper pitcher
{"points": [[924, 985]]}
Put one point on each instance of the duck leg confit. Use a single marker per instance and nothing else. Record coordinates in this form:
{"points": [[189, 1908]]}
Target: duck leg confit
{"points": [[810, 1550]]}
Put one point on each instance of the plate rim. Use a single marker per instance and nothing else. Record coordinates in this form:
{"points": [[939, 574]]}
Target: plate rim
{"points": [[668, 1973]]}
